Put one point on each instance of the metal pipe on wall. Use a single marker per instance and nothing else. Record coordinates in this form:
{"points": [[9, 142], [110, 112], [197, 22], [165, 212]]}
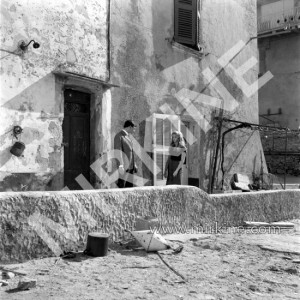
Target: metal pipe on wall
{"points": [[285, 149]]}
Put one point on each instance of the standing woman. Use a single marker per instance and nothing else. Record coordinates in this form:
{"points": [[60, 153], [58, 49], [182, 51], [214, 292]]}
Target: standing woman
{"points": [[176, 159]]}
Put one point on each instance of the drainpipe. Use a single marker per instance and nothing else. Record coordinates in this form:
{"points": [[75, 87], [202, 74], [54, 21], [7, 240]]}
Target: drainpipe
{"points": [[108, 39], [285, 149]]}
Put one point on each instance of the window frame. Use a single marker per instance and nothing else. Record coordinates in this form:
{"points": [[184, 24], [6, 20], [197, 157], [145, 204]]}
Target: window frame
{"points": [[193, 42]]}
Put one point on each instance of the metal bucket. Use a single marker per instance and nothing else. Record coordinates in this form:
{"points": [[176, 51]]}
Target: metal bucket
{"points": [[17, 149], [97, 244]]}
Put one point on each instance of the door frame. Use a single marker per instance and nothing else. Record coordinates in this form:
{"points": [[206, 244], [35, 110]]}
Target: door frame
{"points": [[99, 91], [196, 132], [161, 149]]}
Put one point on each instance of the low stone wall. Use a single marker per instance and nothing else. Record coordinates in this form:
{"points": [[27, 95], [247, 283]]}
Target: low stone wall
{"points": [[37, 224]]}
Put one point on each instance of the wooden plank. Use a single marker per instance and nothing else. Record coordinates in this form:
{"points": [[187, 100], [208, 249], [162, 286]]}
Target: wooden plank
{"points": [[255, 224], [18, 272], [282, 225]]}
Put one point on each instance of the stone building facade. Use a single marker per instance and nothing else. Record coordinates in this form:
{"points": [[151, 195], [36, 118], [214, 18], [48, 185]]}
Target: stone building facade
{"points": [[279, 99], [101, 62]]}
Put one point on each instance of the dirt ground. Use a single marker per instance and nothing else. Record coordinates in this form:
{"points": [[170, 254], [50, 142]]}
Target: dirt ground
{"points": [[215, 266]]}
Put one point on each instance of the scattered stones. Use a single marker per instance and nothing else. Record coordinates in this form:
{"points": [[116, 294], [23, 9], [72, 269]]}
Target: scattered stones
{"points": [[27, 283], [253, 288], [43, 272], [179, 281], [271, 281], [293, 271], [217, 247], [286, 257], [207, 245], [3, 282], [274, 269], [194, 239], [125, 287], [18, 272], [8, 275], [296, 261]]}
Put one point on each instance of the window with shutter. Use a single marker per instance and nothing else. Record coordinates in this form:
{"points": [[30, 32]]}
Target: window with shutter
{"points": [[187, 22]]}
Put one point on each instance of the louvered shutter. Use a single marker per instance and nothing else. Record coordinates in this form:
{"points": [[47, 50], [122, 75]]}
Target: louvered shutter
{"points": [[185, 19]]}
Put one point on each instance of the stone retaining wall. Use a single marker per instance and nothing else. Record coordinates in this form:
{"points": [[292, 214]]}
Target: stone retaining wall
{"points": [[279, 164], [37, 224]]}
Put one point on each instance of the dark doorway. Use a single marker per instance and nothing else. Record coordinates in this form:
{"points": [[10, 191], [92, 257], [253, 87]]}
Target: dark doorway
{"points": [[76, 136]]}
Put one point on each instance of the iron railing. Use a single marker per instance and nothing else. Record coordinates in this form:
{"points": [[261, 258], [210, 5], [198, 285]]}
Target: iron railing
{"points": [[283, 20]]}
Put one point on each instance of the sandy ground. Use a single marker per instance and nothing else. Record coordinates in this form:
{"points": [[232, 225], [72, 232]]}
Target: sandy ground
{"points": [[216, 266]]}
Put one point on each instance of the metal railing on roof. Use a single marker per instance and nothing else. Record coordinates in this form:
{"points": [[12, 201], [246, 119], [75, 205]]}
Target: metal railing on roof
{"points": [[283, 20]]}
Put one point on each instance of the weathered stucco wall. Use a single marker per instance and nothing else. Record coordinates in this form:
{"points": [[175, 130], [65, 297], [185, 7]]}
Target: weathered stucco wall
{"points": [[231, 22], [152, 71], [280, 55], [37, 224], [73, 38]]}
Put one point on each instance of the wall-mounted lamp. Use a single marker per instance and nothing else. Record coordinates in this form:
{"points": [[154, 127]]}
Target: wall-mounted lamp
{"points": [[24, 47], [18, 147]]}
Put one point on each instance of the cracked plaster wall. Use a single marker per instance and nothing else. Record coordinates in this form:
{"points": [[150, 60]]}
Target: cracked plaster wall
{"points": [[39, 224], [72, 37], [151, 71]]}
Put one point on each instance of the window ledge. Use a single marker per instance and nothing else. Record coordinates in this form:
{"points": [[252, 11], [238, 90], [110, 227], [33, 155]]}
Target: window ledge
{"points": [[182, 48]]}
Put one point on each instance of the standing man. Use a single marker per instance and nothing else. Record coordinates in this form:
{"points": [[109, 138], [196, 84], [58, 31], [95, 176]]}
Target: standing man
{"points": [[126, 164]]}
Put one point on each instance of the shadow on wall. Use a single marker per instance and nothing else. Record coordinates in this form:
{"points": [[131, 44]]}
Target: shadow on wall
{"points": [[38, 112], [177, 69], [36, 98], [5, 155], [30, 182], [23, 107]]}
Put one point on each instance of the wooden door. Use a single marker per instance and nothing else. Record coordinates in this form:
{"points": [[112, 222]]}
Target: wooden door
{"points": [[76, 137]]}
